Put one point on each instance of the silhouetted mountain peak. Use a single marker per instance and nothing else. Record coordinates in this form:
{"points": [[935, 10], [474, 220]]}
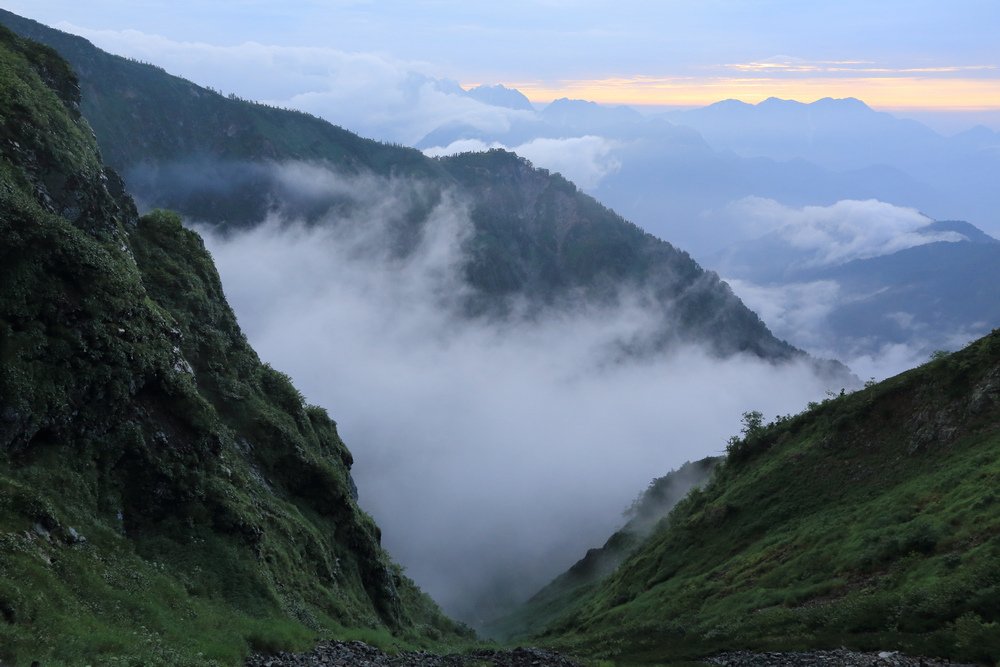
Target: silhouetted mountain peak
{"points": [[971, 233], [777, 102], [729, 104], [500, 95], [852, 103]]}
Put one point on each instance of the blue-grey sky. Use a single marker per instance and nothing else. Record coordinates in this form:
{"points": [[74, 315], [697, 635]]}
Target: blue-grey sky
{"points": [[548, 41]]}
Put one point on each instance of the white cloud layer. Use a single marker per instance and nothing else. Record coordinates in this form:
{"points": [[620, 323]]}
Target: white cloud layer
{"points": [[493, 454], [778, 242], [796, 311], [835, 234]]}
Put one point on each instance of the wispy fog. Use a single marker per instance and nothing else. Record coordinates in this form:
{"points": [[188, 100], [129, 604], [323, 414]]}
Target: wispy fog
{"points": [[492, 454], [789, 268], [830, 235], [805, 314], [584, 160]]}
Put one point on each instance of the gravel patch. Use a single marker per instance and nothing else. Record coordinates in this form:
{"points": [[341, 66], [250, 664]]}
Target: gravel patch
{"points": [[359, 654]]}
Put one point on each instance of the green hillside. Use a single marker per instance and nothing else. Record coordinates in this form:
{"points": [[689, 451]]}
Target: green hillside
{"points": [[582, 577], [870, 521], [165, 498], [535, 238]]}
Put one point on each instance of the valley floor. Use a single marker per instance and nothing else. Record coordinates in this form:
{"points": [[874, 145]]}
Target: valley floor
{"points": [[837, 658], [359, 654]]}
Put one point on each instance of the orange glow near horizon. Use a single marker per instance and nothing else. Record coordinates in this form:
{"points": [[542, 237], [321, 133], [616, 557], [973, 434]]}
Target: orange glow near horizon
{"points": [[899, 92]]}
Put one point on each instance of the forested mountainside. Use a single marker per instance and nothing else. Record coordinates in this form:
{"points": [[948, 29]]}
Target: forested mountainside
{"points": [[868, 521], [535, 238], [165, 498]]}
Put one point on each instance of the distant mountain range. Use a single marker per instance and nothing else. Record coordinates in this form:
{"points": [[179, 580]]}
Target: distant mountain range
{"points": [[838, 134], [672, 172], [500, 96], [846, 135]]}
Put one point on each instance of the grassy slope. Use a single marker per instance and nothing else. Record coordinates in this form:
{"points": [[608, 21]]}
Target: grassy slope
{"points": [[215, 508], [869, 521], [652, 505]]}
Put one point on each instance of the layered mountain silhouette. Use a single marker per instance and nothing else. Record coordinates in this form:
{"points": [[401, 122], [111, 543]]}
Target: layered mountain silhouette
{"points": [[167, 498], [672, 172]]}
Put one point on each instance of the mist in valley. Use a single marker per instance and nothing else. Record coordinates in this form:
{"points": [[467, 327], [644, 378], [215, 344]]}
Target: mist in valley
{"points": [[799, 268], [492, 451]]}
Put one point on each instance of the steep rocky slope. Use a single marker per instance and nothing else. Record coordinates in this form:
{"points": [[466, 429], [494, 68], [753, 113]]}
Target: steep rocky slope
{"points": [[165, 498]]}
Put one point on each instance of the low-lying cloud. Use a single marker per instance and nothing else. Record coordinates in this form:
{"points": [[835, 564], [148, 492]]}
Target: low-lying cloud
{"points": [[796, 311], [806, 314], [584, 160], [785, 269], [492, 453], [830, 235]]}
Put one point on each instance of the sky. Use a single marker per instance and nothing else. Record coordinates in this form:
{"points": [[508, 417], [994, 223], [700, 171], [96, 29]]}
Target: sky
{"points": [[895, 54]]}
